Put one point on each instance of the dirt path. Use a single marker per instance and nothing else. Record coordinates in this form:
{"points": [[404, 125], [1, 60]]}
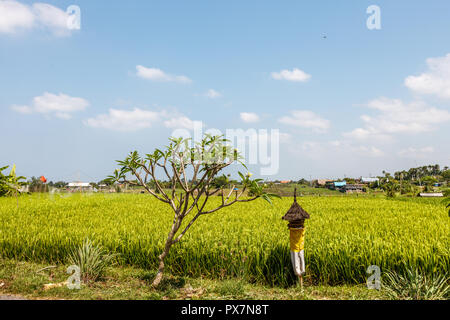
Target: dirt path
{"points": [[11, 297]]}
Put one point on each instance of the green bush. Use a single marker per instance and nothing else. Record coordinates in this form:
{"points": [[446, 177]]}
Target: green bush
{"points": [[10, 184]]}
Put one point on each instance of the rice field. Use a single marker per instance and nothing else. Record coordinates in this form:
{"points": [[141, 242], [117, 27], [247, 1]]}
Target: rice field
{"points": [[344, 235]]}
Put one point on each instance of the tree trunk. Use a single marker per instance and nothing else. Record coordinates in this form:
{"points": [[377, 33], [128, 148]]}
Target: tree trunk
{"points": [[160, 273], [163, 255]]}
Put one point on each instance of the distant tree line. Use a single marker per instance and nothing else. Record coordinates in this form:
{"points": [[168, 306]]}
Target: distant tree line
{"points": [[409, 181], [424, 172], [37, 185], [414, 180]]}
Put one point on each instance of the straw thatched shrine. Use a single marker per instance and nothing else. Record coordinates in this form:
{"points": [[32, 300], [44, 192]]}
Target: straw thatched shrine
{"points": [[296, 215]]}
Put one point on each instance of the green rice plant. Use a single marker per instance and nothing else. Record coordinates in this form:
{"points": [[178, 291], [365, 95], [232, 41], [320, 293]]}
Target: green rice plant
{"points": [[416, 286], [344, 236], [92, 260]]}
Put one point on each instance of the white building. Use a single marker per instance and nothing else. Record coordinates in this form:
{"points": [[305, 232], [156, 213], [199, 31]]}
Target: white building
{"points": [[436, 194], [80, 186], [369, 180]]}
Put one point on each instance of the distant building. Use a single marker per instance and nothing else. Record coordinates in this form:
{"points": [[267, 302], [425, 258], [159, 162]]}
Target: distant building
{"points": [[369, 180], [80, 186], [354, 188], [285, 181], [427, 195], [340, 184], [323, 182], [336, 185], [104, 187]]}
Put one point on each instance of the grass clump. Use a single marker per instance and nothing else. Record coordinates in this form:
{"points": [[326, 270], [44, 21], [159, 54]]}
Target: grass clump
{"points": [[415, 286], [92, 259], [231, 288]]}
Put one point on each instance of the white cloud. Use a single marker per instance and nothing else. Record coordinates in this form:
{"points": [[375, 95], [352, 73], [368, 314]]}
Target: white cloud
{"points": [[285, 138], [179, 122], [61, 105], [137, 119], [124, 120], [334, 149], [395, 116], [335, 143], [249, 117], [434, 82], [16, 17], [367, 134], [213, 94], [52, 18], [412, 152], [48, 103], [295, 75], [370, 151], [155, 74], [306, 119], [22, 109], [350, 147]]}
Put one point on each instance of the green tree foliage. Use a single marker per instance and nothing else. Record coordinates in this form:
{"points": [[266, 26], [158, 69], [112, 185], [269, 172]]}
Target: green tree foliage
{"points": [[446, 200], [419, 173], [446, 175], [389, 185], [428, 182], [221, 182], [105, 182], [10, 184], [407, 188], [36, 185], [58, 184]]}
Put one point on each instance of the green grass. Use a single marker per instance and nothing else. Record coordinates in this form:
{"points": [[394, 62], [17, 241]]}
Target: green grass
{"points": [[24, 279], [249, 241]]}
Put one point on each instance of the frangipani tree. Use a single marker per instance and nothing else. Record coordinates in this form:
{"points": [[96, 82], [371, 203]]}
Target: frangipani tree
{"points": [[190, 170]]}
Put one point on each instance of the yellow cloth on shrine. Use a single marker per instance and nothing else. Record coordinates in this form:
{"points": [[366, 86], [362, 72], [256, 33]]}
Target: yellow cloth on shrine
{"points": [[297, 239]]}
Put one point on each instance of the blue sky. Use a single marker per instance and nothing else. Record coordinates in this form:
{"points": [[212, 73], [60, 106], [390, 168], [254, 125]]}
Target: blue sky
{"points": [[354, 103]]}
